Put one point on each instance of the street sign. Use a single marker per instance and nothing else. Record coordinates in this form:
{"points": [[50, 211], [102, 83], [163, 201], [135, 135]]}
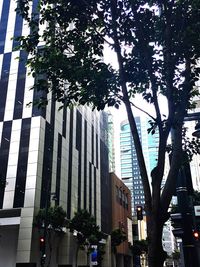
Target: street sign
{"points": [[94, 255]]}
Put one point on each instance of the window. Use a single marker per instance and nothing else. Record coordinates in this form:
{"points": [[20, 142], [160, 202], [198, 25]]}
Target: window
{"points": [[123, 161], [125, 170], [126, 201], [125, 156], [117, 192], [125, 134], [127, 165], [125, 127], [120, 196], [125, 138]]}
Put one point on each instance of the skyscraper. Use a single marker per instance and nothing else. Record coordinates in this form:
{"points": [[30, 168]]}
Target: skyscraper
{"points": [[130, 172], [42, 151], [111, 142]]}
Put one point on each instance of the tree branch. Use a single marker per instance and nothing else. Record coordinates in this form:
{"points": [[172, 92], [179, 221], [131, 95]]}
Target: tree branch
{"points": [[177, 143], [95, 26], [144, 44], [157, 172], [143, 111], [138, 147]]}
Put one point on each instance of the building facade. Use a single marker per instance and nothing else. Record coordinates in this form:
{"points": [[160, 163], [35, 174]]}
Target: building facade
{"points": [[190, 124], [130, 172], [42, 152], [111, 146], [122, 219], [131, 175]]}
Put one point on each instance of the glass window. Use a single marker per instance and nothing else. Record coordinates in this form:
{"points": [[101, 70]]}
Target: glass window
{"points": [[127, 165], [125, 138], [125, 127], [126, 174], [125, 156], [122, 134], [126, 161], [126, 170]]}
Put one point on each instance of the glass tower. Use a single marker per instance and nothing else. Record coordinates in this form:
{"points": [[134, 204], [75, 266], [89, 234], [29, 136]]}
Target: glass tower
{"points": [[130, 172]]}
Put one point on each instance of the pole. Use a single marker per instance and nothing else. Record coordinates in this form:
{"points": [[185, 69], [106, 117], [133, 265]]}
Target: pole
{"points": [[189, 251]]}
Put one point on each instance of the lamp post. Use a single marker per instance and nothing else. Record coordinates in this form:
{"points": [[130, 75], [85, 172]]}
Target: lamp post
{"points": [[189, 251], [184, 185]]}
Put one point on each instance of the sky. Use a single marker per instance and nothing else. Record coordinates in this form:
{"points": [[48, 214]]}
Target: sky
{"points": [[120, 114]]}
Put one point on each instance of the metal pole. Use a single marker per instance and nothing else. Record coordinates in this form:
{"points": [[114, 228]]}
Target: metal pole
{"points": [[189, 250]]}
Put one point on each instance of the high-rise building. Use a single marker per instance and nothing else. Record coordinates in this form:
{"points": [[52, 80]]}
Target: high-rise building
{"points": [[42, 151], [190, 124], [130, 172], [111, 142]]}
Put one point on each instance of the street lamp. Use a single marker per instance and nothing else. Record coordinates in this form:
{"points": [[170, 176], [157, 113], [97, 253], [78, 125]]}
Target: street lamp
{"points": [[184, 190]]}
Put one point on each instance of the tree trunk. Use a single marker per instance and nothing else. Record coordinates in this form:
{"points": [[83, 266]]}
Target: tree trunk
{"points": [[156, 254]]}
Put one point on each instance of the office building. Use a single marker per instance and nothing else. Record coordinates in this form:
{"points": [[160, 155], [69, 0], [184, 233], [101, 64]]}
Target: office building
{"points": [[42, 152], [130, 172], [111, 146], [190, 123]]}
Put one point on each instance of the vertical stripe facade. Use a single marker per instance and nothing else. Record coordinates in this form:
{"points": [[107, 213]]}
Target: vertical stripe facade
{"points": [[85, 165], [43, 152], [71, 127], [4, 154], [79, 148], [3, 24], [22, 164]]}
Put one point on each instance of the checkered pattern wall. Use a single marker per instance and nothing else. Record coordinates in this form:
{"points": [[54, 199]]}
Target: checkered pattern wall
{"points": [[42, 151]]}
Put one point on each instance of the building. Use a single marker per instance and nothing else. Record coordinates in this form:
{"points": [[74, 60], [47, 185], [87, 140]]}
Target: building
{"points": [[131, 175], [111, 146], [190, 123], [42, 152], [130, 172], [122, 219]]}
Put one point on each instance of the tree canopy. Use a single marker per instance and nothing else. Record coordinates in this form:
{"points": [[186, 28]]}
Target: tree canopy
{"points": [[156, 43], [157, 47], [117, 238], [53, 218], [153, 38], [85, 227]]}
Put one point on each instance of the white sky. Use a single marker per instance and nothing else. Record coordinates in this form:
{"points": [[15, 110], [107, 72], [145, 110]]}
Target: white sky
{"points": [[120, 114]]}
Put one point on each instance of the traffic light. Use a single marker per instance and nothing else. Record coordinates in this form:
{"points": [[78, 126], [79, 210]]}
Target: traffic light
{"points": [[139, 211], [42, 260], [196, 235], [42, 244]]}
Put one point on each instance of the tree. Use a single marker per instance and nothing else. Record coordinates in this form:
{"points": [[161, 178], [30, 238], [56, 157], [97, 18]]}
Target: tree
{"points": [[139, 248], [117, 237], [87, 232], [156, 43], [50, 223]]}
